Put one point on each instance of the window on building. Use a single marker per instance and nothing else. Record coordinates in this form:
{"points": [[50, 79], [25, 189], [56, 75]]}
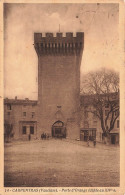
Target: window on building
{"points": [[117, 123], [86, 124], [31, 129], [8, 113], [24, 130], [106, 112], [86, 114], [24, 114], [33, 114], [9, 107], [95, 114]]}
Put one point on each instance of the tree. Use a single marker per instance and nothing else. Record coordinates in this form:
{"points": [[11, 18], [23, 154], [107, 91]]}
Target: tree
{"points": [[8, 131], [101, 96]]}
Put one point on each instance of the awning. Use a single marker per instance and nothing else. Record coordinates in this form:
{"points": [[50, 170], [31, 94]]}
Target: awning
{"points": [[114, 131]]}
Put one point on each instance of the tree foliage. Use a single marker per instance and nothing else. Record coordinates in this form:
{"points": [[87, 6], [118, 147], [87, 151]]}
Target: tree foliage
{"points": [[102, 90]]}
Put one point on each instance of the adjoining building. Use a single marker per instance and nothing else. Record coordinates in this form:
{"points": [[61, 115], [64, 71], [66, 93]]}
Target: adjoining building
{"points": [[22, 115], [90, 124]]}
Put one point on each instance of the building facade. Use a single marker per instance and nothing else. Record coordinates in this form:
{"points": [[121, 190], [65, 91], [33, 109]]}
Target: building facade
{"points": [[90, 124], [59, 60], [60, 110], [23, 116]]}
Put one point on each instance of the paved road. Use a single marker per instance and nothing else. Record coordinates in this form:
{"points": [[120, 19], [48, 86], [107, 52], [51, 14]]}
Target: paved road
{"points": [[60, 163]]}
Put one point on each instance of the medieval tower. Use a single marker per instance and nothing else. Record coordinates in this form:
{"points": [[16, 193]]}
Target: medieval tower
{"points": [[59, 60]]}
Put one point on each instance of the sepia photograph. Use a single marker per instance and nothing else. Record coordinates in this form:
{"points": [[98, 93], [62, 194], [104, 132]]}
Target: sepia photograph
{"points": [[61, 95]]}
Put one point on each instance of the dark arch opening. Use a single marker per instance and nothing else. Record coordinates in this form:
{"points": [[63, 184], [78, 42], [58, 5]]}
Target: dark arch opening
{"points": [[59, 130]]}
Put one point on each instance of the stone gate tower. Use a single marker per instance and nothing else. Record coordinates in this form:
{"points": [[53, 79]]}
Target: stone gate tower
{"points": [[59, 60]]}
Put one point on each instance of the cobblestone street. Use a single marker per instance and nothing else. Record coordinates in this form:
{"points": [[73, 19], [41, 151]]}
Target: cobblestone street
{"points": [[61, 163]]}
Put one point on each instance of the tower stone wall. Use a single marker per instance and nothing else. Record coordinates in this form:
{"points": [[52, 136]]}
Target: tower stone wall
{"points": [[59, 60]]}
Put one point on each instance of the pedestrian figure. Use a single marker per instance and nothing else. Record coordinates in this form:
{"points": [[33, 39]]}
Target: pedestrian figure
{"points": [[94, 142], [47, 136], [87, 138], [42, 136], [29, 137]]}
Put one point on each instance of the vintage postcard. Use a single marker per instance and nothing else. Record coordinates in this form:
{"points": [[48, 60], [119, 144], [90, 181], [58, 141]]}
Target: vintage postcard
{"points": [[62, 96]]}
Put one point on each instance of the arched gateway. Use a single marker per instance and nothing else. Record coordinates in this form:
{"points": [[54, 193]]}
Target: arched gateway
{"points": [[59, 130]]}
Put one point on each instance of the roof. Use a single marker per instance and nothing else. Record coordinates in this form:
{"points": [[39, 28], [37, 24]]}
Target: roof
{"points": [[88, 99], [20, 101], [114, 131], [84, 99], [87, 129]]}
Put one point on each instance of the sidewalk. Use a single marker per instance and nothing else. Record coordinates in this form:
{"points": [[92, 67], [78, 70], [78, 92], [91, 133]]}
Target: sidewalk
{"points": [[98, 144], [81, 143]]}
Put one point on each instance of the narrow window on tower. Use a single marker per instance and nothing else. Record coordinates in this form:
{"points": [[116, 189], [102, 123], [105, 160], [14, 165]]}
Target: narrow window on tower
{"points": [[24, 114], [8, 113], [9, 107], [33, 114]]}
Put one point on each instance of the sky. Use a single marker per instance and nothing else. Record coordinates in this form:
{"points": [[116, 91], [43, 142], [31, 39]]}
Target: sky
{"points": [[99, 22]]}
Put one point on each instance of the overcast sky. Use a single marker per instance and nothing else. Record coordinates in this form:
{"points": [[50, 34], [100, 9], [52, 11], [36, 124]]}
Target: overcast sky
{"points": [[99, 22]]}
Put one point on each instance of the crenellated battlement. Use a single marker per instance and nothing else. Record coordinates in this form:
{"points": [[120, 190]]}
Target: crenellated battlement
{"points": [[59, 44]]}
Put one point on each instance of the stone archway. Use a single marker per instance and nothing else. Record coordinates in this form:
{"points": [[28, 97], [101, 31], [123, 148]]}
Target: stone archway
{"points": [[59, 129]]}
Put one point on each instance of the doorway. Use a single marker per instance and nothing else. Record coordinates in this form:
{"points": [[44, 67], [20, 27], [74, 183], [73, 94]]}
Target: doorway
{"points": [[58, 130], [113, 139]]}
